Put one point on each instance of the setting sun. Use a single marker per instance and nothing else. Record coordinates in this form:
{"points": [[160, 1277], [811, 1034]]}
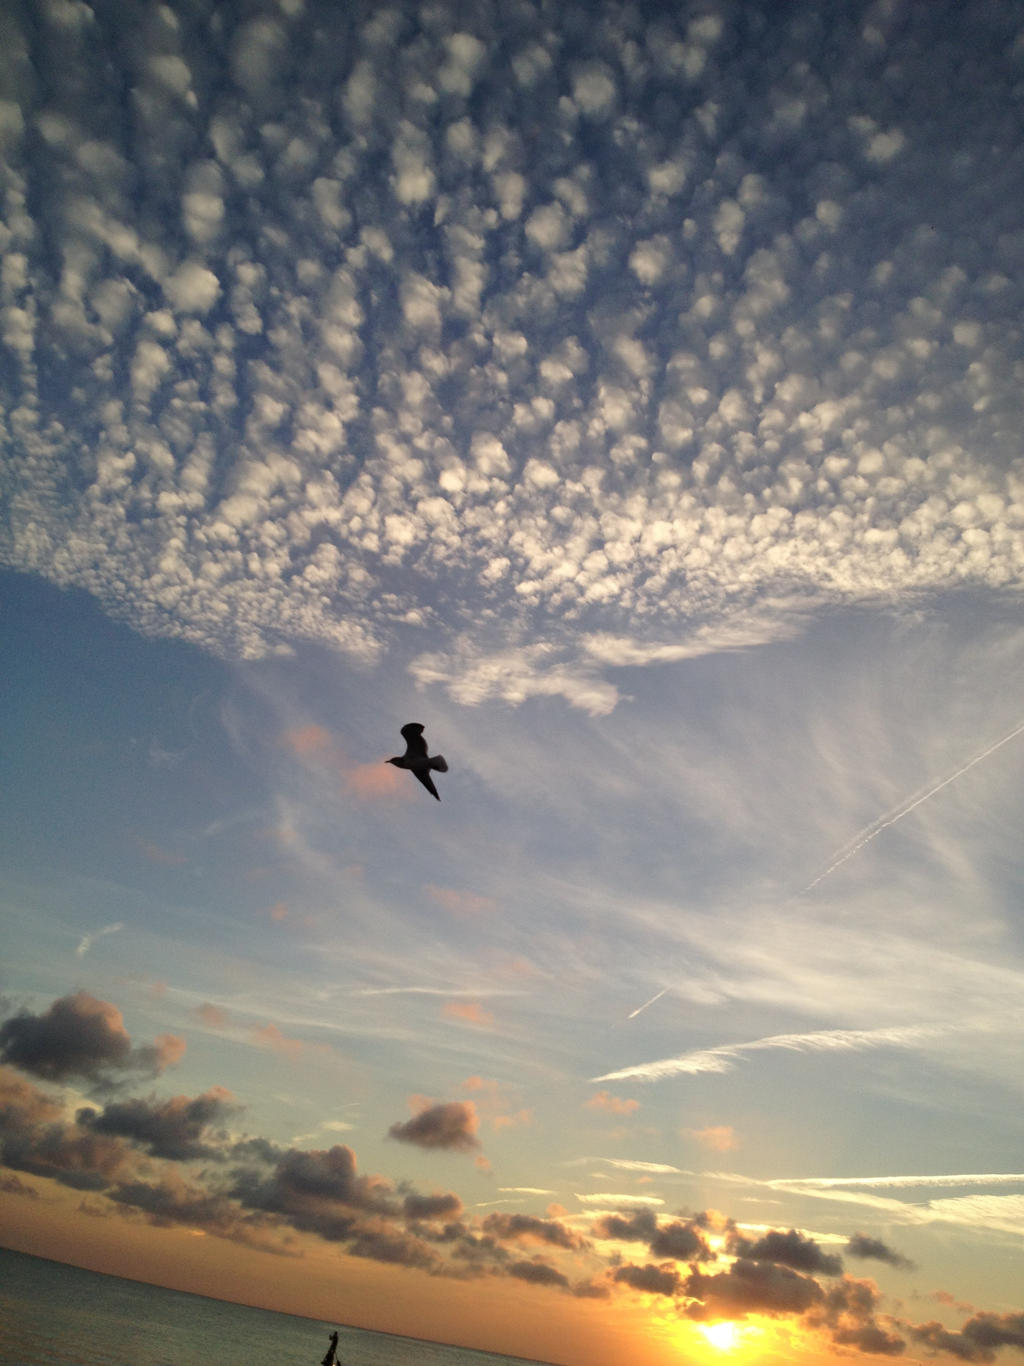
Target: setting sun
{"points": [[725, 1335]]}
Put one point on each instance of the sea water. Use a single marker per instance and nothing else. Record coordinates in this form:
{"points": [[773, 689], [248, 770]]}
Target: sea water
{"points": [[51, 1313]]}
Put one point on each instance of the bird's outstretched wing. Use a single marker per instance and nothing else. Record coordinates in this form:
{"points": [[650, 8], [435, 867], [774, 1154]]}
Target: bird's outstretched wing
{"points": [[427, 781], [415, 745]]}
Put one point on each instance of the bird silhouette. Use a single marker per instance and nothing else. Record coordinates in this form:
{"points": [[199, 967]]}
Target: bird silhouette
{"points": [[417, 760]]}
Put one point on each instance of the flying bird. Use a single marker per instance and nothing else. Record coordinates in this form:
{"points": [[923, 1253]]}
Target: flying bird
{"points": [[417, 760]]}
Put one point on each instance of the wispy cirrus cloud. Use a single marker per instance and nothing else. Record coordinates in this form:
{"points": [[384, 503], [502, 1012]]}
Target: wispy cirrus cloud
{"points": [[725, 1057], [88, 940], [896, 1182]]}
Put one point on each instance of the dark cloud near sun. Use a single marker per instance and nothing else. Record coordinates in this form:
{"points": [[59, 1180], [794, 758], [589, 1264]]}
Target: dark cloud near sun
{"points": [[750, 1287], [790, 1249], [652, 1280], [681, 1240], [638, 1227], [529, 1228], [849, 1313]]}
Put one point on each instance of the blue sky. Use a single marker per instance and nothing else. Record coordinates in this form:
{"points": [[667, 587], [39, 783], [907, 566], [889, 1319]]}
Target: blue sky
{"points": [[630, 394]]}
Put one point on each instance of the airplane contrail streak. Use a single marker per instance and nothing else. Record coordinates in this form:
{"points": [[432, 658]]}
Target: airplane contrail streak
{"points": [[873, 830], [640, 1009], [87, 940]]}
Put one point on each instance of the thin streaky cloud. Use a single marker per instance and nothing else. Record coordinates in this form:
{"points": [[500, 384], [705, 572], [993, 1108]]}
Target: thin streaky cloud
{"points": [[827, 1040], [87, 940], [893, 1182], [613, 1200], [646, 1005], [433, 991], [656, 1168], [873, 830]]}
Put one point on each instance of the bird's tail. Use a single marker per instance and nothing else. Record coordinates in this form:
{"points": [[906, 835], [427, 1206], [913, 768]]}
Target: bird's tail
{"points": [[439, 763]]}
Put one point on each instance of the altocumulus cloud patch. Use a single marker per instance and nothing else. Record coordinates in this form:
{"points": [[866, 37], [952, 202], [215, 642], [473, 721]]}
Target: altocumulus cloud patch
{"points": [[613, 325]]}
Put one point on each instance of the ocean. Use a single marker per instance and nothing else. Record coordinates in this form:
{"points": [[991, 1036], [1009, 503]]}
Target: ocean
{"points": [[51, 1313]]}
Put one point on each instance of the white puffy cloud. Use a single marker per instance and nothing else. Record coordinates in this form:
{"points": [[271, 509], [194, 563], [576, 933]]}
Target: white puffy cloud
{"points": [[192, 288]]}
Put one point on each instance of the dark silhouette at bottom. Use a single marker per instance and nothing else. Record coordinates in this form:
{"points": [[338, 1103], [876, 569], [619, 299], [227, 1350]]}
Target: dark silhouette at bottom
{"points": [[331, 1359]]}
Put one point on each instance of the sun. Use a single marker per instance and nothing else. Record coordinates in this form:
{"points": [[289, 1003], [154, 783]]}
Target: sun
{"points": [[725, 1335]]}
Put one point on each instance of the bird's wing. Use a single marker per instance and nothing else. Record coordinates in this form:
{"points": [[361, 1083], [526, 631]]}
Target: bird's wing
{"points": [[427, 781], [412, 734]]}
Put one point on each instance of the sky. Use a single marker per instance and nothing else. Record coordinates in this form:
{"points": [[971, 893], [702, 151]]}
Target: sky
{"points": [[629, 393]]}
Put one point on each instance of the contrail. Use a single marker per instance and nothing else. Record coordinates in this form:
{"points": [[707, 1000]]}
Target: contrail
{"points": [[871, 831], [640, 1009], [87, 940], [968, 1179]]}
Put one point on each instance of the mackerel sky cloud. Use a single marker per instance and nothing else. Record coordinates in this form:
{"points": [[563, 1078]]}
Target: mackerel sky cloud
{"points": [[630, 394], [627, 371]]}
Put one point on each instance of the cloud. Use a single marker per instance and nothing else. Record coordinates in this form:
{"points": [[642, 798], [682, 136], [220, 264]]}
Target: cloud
{"points": [[861, 1245], [396, 1247], [468, 1012], [637, 1227], [430, 1207], [81, 1036], [448, 1126], [529, 1228], [978, 1340], [614, 1105], [790, 1249], [720, 1138], [36, 1137], [849, 1312], [750, 1287], [538, 1273], [320, 750], [316, 1191], [177, 1129], [270, 1036], [514, 676], [460, 902], [650, 1279], [11, 1185], [87, 940], [723, 1058], [175, 1200], [700, 383], [612, 1200], [252, 1193], [897, 1182], [655, 1168], [679, 1240]]}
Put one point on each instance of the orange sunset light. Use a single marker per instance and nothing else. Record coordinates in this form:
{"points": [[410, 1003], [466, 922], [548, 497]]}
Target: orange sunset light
{"points": [[733, 1341]]}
